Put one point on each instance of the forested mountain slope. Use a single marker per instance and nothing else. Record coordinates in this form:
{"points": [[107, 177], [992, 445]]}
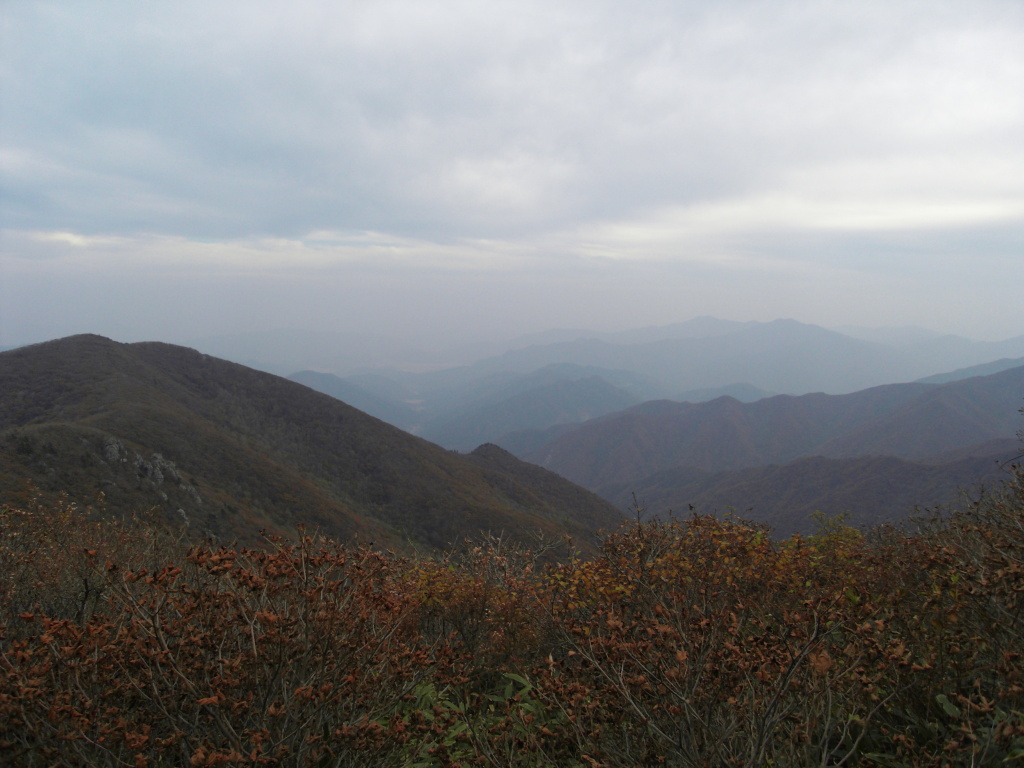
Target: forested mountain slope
{"points": [[791, 497], [231, 450]]}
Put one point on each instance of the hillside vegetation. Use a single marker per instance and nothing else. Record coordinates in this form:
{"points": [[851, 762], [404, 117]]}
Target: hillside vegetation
{"points": [[228, 451], [693, 643], [866, 491]]}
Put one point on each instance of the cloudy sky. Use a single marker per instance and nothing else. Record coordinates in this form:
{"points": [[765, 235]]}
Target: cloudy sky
{"points": [[454, 169]]}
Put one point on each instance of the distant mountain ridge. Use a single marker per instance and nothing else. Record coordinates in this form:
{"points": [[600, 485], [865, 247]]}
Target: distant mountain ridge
{"points": [[909, 421], [525, 397], [875, 454], [703, 326], [895, 336], [413, 385], [231, 450], [780, 356], [696, 360], [745, 393], [984, 369]]}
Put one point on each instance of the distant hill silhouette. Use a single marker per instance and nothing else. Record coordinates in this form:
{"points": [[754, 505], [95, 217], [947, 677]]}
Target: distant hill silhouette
{"points": [[910, 421], [745, 393], [779, 356], [874, 453], [1003, 364], [232, 450]]}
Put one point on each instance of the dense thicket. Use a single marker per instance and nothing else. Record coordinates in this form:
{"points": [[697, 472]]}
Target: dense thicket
{"points": [[690, 643]]}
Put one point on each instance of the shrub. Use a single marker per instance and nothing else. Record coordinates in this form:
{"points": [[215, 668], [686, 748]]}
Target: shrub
{"points": [[693, 643]]}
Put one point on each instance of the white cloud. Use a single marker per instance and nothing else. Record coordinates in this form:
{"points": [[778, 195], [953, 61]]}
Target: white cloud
{"points": [[511, 136], [320, 250]]}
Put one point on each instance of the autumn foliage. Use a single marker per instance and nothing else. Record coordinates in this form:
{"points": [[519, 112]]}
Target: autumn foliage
{"points": [[696, 643]]}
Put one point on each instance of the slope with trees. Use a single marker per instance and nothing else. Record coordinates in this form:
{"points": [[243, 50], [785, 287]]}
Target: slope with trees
{"points": [[229, 450]]}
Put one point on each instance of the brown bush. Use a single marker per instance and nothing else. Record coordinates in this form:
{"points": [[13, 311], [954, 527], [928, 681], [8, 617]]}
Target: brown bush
{"points": [[690, 643]]}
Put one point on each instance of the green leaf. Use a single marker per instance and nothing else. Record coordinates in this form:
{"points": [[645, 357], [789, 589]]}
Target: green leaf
{"points": [[519, 679], [947, 706]]}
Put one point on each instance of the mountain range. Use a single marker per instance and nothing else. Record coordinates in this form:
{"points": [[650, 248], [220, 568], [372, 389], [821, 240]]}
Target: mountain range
{"points": [[229, 451], [782, 356], [697, 360], [935, 438], [667, 417], [910, 421], [779, 459]]}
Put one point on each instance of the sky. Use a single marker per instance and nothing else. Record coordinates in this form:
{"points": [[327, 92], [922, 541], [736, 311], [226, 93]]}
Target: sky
{"points": [[444, 172]]}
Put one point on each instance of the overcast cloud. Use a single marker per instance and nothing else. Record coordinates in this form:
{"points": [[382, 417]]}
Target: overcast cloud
{"points": [[464, 168]]}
